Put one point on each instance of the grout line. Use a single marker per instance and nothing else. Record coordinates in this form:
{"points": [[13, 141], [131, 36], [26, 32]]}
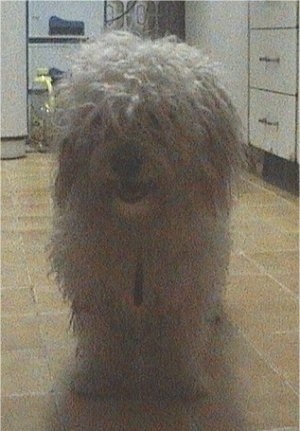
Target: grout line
{"points": [[18, 287], [267, 361], [265, 272], [266, 190], [281, 429], [287, 332], [29, 394]]}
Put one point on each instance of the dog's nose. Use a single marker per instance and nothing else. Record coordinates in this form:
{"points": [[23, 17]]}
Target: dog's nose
{"points": [[126, 162]]}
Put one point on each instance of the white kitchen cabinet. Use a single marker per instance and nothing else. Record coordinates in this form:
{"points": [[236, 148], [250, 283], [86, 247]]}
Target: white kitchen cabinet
{"points": [[273, 14], [274, 77], [273, 60], [273, 122]]}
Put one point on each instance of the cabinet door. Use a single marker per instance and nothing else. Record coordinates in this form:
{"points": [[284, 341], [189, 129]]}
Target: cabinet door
{"points": [[90, 12], [273, 60], [273, 14], [273, 123]]}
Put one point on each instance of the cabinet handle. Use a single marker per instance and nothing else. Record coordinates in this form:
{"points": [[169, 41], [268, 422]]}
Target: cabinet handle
{"points": [[270, 60], [268, 123]]}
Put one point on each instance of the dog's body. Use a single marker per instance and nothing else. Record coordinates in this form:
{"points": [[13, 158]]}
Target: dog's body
{"points": [[143, 196]]}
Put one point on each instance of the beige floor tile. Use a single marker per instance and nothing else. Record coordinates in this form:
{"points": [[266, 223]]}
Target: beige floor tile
{"points": [[39, 269], [268, 401], [269, 240], [285, 262], [239, 264], [55, 330], [290, 281], [275, 411], [13, 256], [61, 366], [39, 275], [35, 241], [15, 276], [238, 239], [50, 301], [13, 265], [25, 372], [34, 209], [270, 188], [29, 413], [11, 242], [284, 224], [10, 166], [261, 299], [247, 186], [37, 255], [28, 224], [8, 210], [282, 209], [250, 226], [34, 166], [8, 220], [259, 305], [258, 198], [5, 179], [282, 350], [29, 182], [17, 301], [20, 332]]}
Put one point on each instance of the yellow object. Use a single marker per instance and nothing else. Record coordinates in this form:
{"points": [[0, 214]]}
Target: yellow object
{"points": [[42, 71], [47, 81]]}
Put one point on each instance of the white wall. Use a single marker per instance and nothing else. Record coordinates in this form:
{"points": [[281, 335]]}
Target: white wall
{"points": [[220, 29], [13, 79]]}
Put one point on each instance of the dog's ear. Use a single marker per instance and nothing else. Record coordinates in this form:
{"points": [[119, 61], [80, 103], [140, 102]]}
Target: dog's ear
{"points": [[69, 161]]}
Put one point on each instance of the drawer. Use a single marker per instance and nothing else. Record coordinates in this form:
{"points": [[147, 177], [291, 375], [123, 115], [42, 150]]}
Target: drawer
{"points": [[273, 60], [270, 14], [47, 55], [272, 123]]}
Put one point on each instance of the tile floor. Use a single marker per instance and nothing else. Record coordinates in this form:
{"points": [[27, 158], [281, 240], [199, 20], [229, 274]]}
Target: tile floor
{"points": [[261, 299]]}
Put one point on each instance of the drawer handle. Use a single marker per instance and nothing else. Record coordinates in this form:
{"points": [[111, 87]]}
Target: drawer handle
{"points": [[268, 123], [270, 60]]}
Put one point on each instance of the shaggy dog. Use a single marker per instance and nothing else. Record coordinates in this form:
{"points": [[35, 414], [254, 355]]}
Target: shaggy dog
{"points": [[148, 155]]}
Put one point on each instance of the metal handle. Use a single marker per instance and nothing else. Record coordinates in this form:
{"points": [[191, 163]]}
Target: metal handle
{"points": [[270, 60], [268, 123]]}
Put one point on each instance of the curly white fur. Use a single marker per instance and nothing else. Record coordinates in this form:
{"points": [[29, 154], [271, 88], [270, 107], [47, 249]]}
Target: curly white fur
{"points": [[162, 101]]}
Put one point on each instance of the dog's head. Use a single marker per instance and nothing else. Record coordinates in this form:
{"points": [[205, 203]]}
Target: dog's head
{"points": [[147, 124]]}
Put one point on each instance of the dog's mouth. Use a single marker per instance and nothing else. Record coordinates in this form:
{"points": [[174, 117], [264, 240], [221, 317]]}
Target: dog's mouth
{"points": [[129, 165], [132, 192]]}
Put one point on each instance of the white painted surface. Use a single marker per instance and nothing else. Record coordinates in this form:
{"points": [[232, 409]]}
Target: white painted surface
{"points": [[90, 12], [13, 78], [273, 14], [273, 36], [272, 123], [273, 60], [220, 29]]}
